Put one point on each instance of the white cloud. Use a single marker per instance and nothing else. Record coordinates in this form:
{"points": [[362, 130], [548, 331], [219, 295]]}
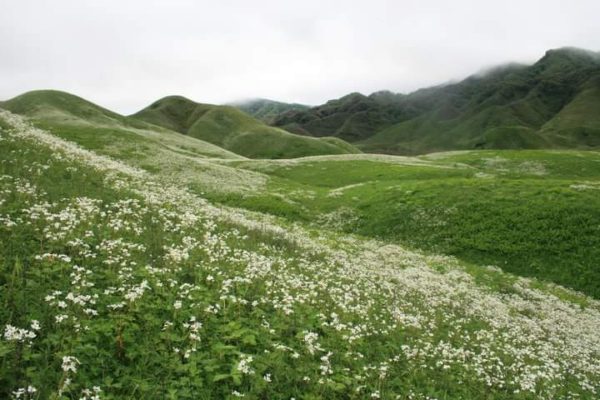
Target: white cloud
{"points": [[125, 54]]}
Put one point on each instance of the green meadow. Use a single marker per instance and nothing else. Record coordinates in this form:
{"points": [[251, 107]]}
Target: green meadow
{"points": [[139, 261]]}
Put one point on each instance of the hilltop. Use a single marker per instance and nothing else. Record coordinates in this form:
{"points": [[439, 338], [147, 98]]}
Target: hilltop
{"points": [[235, 130], [550, 104]]}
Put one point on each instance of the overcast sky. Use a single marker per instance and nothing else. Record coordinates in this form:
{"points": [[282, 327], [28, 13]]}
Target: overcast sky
{"points": [[125, 54]]}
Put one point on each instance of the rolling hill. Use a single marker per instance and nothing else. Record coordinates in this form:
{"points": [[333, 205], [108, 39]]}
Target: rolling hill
{"points": [[62, 111], [553, 103], [146, 146], [216, 126], [235, 130]]}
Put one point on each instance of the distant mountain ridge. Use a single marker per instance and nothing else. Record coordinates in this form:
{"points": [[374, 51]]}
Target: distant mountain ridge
{"points": [[554, 103], [267, 110]]}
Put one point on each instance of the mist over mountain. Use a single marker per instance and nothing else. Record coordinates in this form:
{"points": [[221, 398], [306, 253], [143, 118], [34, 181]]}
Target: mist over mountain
{"points": [[553, 103], [267, 110]]}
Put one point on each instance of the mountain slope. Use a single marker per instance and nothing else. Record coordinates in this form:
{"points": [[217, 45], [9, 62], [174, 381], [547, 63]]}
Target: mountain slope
{"points": [[507, 107], [234, 130], [352, 117], [579, 120], [267, 110]]}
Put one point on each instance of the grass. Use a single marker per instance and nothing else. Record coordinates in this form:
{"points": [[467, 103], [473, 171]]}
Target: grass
{"points": [[533, 213], [65, 112], [132, 277]]}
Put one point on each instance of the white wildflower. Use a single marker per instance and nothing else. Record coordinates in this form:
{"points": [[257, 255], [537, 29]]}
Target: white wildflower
{"points": [[244, 364], [69, 364]]}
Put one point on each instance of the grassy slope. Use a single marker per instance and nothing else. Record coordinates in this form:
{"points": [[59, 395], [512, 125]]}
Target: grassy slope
{"points": [[55, 108], [533, 213], [147, 146], [579, 121], [234, 130], [165, 299]]}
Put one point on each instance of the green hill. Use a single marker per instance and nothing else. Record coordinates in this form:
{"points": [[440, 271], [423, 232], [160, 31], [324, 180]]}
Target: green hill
{"points": [[146, 146], [61, 111], [352, 117], [267, 110], [65, 108], [550, 104], [235, 130]]}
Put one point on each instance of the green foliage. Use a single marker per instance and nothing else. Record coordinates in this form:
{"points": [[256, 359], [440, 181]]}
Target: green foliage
{"points": [[532, 213]]}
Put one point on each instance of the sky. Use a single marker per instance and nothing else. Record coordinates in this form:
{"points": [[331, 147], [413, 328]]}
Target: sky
{"points": [[125, 54]]}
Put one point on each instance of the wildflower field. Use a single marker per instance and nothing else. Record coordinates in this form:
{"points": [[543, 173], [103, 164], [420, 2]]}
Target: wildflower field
{"points": [[124, 276]]}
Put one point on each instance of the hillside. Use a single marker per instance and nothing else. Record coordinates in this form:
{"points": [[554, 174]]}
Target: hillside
{"points": [[534, 213], [61, 111], [122, 283], [512, 106], [236, 131], [379, 196], [267, 110], [149, 147]]}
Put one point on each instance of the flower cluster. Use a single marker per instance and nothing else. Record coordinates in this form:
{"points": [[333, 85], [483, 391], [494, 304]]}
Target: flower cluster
{"points": [[14, 334]]}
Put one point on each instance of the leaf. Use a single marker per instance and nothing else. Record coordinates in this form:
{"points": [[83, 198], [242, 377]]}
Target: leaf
{"points": [[223, 348], [237, 378], [249, 339], [4, 349], [221, 377]]}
